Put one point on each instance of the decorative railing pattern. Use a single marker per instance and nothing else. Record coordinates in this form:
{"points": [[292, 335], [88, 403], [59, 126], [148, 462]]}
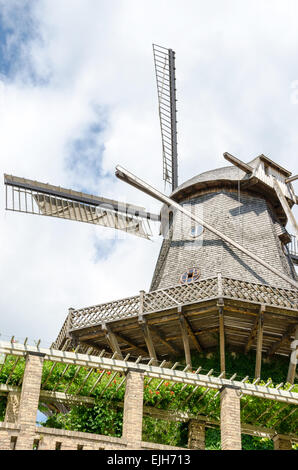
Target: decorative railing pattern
{"points": [[163, 299]]}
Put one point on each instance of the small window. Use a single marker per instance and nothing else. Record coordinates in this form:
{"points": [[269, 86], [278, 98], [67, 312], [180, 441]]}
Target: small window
{"points": [[13, 442], [58, 445], [80, 447], [196, 231], [35, 444], [189, 276]]}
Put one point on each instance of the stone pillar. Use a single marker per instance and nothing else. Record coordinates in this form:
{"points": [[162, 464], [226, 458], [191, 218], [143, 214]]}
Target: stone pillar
{"points": [[293, 359], [282, 442], [133, 409], [12, 407], [230, 424], [29, 401], [196, 434]]}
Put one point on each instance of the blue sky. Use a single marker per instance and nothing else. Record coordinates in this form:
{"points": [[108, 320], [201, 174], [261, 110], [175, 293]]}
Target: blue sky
{"points": [[78, 96]]}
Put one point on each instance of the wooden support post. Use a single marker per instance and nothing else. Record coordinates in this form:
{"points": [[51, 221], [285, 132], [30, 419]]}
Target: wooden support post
{"points": [[293, 359], [184, 337], [230, 423], [259, 346], [192, 335], [222, 341], [133, 410], [146, 332], [148, 341], [112, 340]]}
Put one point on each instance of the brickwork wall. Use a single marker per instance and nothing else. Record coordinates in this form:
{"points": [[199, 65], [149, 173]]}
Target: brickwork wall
{"points": [[230, 424], [251, 223], [59, 439], [50, 439], [8, 432]]}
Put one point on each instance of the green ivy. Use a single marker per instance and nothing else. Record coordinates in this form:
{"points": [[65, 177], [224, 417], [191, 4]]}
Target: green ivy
{"points": [[105, 417], [248, 442], [98, 419], [3, 401]]}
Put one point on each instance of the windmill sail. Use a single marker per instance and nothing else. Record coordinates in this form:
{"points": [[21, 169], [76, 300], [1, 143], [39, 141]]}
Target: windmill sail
{"points": [[32, 197], [164, 60]]}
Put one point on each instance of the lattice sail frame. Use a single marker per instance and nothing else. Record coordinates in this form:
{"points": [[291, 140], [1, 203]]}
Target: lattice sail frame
{"points": [[36, 198], [164, 61]]}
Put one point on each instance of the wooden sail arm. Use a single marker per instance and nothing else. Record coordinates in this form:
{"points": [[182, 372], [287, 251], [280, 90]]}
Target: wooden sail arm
{"points": [[285, 205]]}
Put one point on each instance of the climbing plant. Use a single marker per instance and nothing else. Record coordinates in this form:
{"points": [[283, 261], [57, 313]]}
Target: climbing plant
{"points": [[105, 415]]}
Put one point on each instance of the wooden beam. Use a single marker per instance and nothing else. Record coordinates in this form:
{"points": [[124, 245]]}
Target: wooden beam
{"points": [[126, 340], [293, 359], [285, 205], [185, 337], [190, 330], [259, 346], [291, 179], [148, 341], [244, 184], [163, 339], [286, 337], [222, 341], [240, 164], [252, 335], [196, 333], [90, 345], [112, 340]]}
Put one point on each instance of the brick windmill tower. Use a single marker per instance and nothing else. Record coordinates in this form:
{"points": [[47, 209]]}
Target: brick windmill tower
{"points": [[225, 273]]}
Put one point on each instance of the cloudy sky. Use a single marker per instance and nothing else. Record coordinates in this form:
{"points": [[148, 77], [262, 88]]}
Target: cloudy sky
{"points": [[78, 96]]}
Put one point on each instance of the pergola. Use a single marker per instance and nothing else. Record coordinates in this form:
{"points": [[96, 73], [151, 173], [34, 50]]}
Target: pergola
{"points": [[219, 401]]}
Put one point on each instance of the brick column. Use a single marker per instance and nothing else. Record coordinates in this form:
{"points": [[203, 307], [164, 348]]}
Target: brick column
{"points": [[29, 401], [12, 407], [230, 424], [196, 434], [282, 442], [133, 410]]}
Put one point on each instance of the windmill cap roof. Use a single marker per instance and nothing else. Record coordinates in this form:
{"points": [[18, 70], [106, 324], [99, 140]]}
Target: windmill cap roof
{"points": [[228, 173]]}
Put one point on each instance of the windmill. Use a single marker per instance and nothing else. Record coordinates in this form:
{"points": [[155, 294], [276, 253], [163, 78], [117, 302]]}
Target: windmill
{"points": [[32, 197], [242, 228]]}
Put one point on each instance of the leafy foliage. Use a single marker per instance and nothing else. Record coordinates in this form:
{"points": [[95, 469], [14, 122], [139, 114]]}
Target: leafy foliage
{"points": [[107, 388], [248, 442], [3, 401], [98, 419]]}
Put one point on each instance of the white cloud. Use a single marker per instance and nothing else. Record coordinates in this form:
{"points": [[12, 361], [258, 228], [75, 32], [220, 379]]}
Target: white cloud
{"points": [[235, 65]]}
